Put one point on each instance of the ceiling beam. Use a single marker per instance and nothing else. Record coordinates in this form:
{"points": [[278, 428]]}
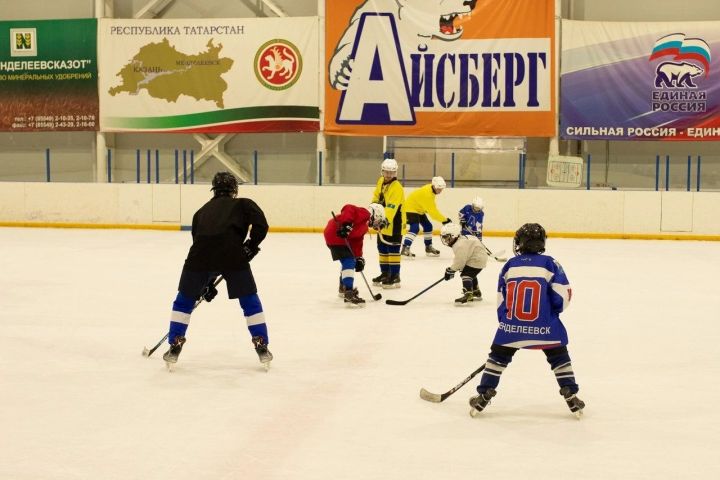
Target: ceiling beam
{"points": [[275, 8], [153, 8]]}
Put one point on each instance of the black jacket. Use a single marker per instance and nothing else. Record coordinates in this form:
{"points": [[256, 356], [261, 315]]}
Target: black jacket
{"points": [[219, 229]]}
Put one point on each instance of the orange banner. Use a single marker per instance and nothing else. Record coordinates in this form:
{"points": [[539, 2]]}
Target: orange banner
{"points": [[440, 68]]}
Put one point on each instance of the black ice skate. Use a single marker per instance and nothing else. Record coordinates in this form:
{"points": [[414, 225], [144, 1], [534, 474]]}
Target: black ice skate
{"points": [[379, 279], [575, 405], [467, 296], [342, 290], [391, 281], [477, 294], [171, 356], [431, 251], [352, 298], [262, 350], [479, 402], [406, 251]]}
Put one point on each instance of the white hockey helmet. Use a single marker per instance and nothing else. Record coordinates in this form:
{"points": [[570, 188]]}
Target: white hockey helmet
{"points": [[377, 216], [449, 233], [389, 165], [438, 183], [478, 204]]}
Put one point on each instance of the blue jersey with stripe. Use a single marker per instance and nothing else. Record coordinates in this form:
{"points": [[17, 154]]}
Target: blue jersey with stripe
{"points": [[532, 291], [471, 221]]}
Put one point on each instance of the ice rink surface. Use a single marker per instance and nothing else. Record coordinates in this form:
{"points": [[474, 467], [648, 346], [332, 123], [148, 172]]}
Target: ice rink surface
{"points": [[78, 401]]}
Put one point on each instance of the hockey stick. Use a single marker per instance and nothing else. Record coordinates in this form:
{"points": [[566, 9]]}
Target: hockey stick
{"points": [[375, 297], [405, 302], [149, 351], [440, 397], [497, 256]]}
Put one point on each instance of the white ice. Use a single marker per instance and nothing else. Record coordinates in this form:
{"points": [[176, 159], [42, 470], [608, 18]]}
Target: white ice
{"points": [[78, 401]]}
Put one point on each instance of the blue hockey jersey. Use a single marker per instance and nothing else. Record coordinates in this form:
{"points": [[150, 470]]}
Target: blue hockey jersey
{"points": [[532, 291], [471, 221]]}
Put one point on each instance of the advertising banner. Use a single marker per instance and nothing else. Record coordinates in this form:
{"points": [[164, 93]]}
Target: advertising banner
{"points": [[440, 68], [48, 75], [640, 81], [209, 75]]}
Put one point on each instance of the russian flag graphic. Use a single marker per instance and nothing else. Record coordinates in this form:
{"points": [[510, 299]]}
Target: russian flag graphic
{"points": [[681, 48]]}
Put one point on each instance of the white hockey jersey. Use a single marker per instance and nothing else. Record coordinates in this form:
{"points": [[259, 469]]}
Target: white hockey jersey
{"points": [[468, 251]]}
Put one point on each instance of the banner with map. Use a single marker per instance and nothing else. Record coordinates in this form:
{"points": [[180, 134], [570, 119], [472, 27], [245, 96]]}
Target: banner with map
{"points": [[209, 75], [48, 75], [640, 81], [449, 68]]}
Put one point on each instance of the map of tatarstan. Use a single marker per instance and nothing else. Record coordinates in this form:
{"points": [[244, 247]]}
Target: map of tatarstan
{"points": [[167, 73]]}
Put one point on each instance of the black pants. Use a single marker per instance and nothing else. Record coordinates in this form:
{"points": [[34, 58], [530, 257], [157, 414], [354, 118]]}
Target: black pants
{"points": [[239, 282]]}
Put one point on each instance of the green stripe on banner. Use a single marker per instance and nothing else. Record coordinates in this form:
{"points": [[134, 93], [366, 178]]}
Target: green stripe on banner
{"points": [[214, 117]]}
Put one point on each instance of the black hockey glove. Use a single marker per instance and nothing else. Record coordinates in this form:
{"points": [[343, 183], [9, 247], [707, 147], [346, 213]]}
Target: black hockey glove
{"points": [[249, 250], [359, 264], [449, 273], [209, 292], [344, 231], [447, 220]]}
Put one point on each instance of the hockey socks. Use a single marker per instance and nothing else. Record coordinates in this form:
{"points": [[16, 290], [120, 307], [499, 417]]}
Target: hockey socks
{"points": [[254, 316], [180, 316]]}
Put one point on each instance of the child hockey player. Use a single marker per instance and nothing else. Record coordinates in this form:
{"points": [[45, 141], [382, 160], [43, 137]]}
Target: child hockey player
{"points": [[418, 206], [220, 247], [471, 218], [470, 258], [344, 237], [532, 291], [390, 193]]}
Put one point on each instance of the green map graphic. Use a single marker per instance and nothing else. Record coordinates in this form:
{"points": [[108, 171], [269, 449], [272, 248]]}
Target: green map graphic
{"points": [[166, 73]]}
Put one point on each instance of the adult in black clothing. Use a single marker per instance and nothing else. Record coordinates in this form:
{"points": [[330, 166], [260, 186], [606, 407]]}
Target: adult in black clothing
{"points": [[222, 246]]}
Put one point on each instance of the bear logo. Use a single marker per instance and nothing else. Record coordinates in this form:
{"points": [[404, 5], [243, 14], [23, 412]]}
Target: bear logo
{"points": [[416, 20], [676, 75]]}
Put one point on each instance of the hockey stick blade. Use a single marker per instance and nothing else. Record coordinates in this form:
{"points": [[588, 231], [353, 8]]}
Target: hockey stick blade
{"points": [[499, 256], [430, 397], [437, 398], [396, 302], [377, 296]]}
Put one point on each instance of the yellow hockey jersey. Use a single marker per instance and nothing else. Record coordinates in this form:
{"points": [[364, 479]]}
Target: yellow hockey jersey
{"points": [[422, 201], [392, 197]]}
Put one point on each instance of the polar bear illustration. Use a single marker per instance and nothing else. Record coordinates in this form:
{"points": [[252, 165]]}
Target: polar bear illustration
{"points": [[676, 75], [416, 20]]}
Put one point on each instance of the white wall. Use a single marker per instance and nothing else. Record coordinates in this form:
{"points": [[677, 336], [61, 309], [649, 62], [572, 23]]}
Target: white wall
{"points": [[303, 208]]}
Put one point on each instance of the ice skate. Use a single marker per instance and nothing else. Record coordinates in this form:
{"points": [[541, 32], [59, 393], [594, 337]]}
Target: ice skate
{"points": [[431, 251], [467, 296], [352, 298], [171, 356], [575, 405], [479, 402], [392, 281], [377, 281], [477, 294], [262, 350], [342, 290], [406, 252]]}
